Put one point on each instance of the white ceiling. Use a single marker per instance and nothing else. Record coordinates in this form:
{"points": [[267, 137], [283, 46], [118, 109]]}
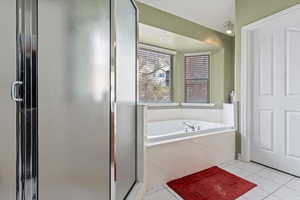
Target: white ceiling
{"points": [[210, 13], [162, 38]]}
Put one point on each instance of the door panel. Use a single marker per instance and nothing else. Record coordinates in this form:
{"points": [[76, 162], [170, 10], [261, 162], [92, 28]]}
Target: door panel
{"points": [[74, 99], [266, 77], [266, 129], [7, 106], [276, 94], [125, 97], [293, 61], [292, 134]]}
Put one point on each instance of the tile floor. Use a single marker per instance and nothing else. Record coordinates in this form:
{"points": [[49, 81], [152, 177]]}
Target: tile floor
{"points": [[271, 184]]}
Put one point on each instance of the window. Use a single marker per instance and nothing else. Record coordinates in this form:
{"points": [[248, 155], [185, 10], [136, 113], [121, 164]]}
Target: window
{"points": [[154, 76], [197, 78]]}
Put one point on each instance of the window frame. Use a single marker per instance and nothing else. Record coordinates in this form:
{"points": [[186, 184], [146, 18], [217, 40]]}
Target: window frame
{"points": [[160, 50], [209, 75]]}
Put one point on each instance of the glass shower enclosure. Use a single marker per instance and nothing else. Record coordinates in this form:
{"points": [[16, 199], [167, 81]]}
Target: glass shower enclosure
{"points": [[70, 131]]}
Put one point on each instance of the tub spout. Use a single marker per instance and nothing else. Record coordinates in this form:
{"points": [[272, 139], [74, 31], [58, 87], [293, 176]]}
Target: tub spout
{"points": [[190, 125]]}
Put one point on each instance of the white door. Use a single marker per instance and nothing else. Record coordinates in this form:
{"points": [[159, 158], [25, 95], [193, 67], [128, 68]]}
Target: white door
{"points": [[276, 94]]}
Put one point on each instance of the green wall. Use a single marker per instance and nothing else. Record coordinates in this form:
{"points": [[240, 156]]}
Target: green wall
{"points": [[178, 77], [166, 21], [216, 77], [248, 11]]}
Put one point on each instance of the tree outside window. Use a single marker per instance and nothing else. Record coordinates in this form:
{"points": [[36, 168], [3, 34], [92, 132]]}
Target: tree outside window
{"points": [[154, 76]]}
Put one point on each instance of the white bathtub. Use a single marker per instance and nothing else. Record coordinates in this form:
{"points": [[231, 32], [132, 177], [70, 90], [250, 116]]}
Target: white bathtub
{"points": [[171, 152], [174, 130], [174, 158]]}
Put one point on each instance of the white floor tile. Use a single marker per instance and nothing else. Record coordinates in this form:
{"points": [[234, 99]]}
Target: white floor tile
{"points": [[271, 184], [222, 165], [174, 193], [162, 194], [275, 176], [155, 189], [256, 194], [272, 197], [237, 171], [294, 184], [251, 167], [241, 198], [232, 162], [285, 193], [265, 184]]}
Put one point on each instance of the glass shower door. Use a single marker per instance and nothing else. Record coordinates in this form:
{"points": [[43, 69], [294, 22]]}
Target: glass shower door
{"points": [[74, 99], [126, 93]]}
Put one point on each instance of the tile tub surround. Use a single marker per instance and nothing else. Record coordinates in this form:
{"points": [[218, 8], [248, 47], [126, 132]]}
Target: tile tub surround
{"points": [[213, 115], [271, 184], [225, 115], [170, 161]]}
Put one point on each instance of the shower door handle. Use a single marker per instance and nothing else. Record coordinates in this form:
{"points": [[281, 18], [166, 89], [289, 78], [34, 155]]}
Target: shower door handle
{"points": [[13, 91]]}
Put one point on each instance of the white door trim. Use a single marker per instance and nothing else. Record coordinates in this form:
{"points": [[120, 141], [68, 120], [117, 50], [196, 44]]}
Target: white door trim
{"points": [[246, 80]]}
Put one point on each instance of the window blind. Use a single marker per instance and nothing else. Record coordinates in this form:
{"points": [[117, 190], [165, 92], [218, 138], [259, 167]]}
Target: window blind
{"points": [[154, 76], [197, 78]]}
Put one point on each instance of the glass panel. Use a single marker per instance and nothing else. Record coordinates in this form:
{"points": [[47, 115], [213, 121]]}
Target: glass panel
{"points": [[74, 99], [125, 96], [197, 78], [197, 67], [154, 76], [196, 91]]}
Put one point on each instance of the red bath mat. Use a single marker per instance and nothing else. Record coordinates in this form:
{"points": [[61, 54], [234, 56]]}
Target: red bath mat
{"points": [[211, 184]]}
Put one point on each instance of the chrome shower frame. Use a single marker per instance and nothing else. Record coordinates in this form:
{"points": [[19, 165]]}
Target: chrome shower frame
{"points": [[27, 108]]}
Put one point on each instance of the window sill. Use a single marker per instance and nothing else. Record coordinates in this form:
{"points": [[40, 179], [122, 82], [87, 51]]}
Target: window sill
{"points": [[178, 105], [198, 104], [160, 104]]}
